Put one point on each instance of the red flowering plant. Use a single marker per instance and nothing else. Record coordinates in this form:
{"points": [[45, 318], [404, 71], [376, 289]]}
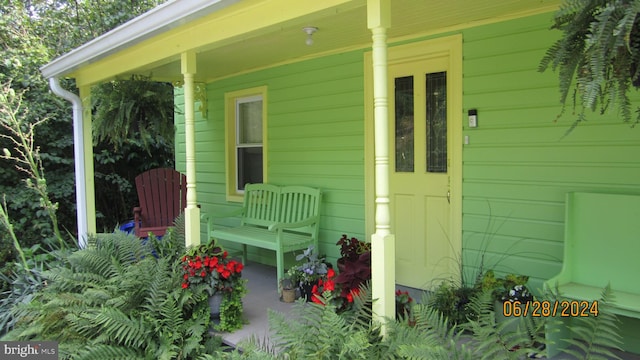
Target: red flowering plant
{"points": [[404, 303], [353, 276], [208, 265], [325, 284], [350, 250], [328, 288]]}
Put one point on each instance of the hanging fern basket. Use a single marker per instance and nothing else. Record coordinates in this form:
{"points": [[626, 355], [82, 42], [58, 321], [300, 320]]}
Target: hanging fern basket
{"points": [[597, 56]]}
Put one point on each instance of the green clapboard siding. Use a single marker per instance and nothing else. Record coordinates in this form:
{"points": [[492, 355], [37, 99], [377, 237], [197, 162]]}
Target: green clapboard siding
{"points": [[315, 138], [517, 167], [519, 164]]}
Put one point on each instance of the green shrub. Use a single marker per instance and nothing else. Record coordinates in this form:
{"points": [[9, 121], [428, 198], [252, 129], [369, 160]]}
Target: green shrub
{"points": [[453, 301], [116, 299]]}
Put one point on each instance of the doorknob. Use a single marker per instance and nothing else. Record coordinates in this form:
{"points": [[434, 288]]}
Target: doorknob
{"points": [[449, 196]]}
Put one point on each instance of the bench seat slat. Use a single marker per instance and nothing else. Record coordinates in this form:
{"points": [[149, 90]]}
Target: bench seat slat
{"points": [[262, 238]]}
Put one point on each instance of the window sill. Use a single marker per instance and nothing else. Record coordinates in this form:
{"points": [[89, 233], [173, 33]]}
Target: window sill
{"points": [[235, 198]]}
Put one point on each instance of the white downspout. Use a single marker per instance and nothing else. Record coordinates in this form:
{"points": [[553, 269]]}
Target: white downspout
{"points": [[78, 151]]}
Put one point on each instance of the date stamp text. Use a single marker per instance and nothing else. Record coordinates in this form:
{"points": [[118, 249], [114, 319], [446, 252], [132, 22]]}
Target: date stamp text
{"points": [[546, 308]]}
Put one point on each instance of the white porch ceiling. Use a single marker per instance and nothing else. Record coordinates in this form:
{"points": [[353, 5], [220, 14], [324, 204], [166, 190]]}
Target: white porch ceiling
{"points": [[340, 28]]}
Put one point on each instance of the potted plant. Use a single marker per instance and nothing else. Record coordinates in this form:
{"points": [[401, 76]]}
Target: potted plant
{"points": [[307, 273], [350, 250], [288, 289], [354, 274], [207, 267], [510, 288], [509, 292], [596, 57], [404, 302]]}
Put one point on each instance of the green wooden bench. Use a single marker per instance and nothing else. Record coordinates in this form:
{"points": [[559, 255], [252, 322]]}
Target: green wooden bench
{"points": [[279, 218], [602, 246]]}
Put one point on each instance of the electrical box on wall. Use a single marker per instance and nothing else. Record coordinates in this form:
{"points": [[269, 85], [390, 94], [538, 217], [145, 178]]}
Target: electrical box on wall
{"points": [[473, 118]]}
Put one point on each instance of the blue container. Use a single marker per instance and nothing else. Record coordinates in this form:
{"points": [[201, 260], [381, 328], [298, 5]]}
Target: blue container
{"points": [[128, 227]]}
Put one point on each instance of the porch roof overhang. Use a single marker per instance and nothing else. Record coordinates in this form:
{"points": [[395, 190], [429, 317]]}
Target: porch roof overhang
{"points": [[232, 36]]}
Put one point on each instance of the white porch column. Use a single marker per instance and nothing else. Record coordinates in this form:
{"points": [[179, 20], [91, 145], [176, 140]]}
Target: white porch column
{"points": [[192, 211], [382, 241], [89, 171]]}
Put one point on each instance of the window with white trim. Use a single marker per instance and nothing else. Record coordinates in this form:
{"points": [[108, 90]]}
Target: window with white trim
{"points": [[245, 139]]}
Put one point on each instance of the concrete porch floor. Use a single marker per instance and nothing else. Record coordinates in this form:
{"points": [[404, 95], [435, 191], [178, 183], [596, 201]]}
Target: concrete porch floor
{"points": [[263, 295]]}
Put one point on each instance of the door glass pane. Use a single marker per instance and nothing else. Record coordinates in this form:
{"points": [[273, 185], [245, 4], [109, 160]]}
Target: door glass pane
{"points": [[404, 123], [436, 84], [250, 122]]}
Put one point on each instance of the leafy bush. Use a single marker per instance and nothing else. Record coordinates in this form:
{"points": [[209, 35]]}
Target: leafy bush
{"points": [[453, 301], [116, 299], [318, 332]]}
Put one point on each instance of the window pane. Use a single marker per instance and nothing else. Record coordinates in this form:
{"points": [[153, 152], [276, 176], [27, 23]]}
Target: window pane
{"points": [[437, 122], [404, 123], [250, 122], [249, 166]]}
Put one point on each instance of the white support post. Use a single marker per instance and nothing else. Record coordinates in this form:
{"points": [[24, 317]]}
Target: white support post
{"points": [[89, 171], [382, 241], [192, 211]]}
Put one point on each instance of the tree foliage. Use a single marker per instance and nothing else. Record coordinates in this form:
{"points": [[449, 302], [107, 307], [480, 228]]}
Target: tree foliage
{"points": [[32, 33]]}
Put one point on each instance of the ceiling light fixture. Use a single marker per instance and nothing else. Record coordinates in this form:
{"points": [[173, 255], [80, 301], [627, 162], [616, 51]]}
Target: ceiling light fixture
{"points": [[309, 30]]}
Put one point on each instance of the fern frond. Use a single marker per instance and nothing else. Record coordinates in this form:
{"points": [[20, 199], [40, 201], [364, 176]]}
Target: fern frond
{"points": [[593, 337], [598, 54], [121, 328], [107, 352], [431, 337], [492, 341]]}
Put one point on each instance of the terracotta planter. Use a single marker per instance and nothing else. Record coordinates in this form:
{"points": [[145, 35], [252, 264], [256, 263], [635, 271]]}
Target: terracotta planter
{"points": [[214, 305]]}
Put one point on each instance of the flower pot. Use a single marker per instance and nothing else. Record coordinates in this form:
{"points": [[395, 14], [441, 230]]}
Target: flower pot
{"points": [[214, 305], [288, 295], [305, 290]]}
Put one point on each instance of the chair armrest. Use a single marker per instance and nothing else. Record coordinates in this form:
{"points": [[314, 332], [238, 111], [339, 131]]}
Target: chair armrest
{"points": [[137, 212], [293, 225]]}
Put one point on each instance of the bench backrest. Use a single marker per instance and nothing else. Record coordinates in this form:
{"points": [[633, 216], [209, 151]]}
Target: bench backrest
{"points": [[602, 240], [266, 204], [300, 203], [261, 204]]}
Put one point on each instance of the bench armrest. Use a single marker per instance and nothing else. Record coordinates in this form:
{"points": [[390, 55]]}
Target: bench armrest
{"points": [[561, 278], [293, 225], [209, 219]]}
